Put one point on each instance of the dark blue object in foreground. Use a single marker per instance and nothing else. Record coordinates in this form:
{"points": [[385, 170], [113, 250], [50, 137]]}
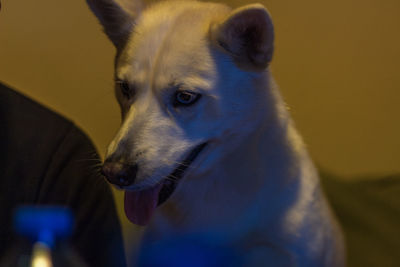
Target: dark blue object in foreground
{"points": [[43, 223]]}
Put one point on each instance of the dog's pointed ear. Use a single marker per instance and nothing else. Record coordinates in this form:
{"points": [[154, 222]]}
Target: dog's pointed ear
{"points": [[117, 17], [248, 35]]}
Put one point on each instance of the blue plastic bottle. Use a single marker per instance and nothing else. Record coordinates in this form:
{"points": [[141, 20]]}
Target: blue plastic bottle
{"points": [[46, 228]]}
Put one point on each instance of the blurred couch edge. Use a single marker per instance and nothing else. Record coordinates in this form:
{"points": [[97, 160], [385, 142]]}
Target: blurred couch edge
{"points": [[368, 209]]}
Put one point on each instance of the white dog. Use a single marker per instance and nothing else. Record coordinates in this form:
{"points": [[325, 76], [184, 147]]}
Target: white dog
{"points": [[206, 143]]}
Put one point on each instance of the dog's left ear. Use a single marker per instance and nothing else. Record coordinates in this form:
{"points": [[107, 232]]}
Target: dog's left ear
{"points": [[117, 17], [248, 35]]}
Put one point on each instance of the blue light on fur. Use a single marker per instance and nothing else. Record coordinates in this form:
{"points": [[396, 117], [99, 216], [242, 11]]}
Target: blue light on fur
{"points": [[195, 250]]}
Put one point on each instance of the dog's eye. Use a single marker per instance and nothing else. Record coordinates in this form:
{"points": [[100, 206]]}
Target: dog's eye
{"points": [[185, 98], [125, 89]]}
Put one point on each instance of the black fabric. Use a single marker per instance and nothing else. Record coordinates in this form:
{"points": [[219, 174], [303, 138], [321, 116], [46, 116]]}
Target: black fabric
{"points": [[46, 159], [368, 209]]}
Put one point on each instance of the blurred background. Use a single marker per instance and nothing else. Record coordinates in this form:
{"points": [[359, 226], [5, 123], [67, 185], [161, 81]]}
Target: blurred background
{"points": [[337, 64]]}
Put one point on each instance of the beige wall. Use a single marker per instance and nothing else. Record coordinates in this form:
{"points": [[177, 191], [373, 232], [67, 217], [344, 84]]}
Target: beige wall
{"points": [[337, 63]]}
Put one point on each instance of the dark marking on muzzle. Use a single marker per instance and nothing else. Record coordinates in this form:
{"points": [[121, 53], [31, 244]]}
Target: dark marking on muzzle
{"points": [[169, 187]]}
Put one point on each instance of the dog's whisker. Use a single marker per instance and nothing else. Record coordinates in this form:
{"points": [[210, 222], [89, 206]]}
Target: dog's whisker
{"points": [[171, 178], [180, 163]]}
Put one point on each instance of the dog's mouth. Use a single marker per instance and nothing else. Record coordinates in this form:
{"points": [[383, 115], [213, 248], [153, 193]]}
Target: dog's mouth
{"points": [[140, 205]]}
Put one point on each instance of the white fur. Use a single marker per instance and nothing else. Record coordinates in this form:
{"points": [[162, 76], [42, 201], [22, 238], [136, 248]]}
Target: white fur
{"points": [[254, 186]]}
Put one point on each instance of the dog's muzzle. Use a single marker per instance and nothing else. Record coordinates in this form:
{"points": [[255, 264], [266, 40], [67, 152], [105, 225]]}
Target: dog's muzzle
{"points": [[139, 205], [121, 174]]}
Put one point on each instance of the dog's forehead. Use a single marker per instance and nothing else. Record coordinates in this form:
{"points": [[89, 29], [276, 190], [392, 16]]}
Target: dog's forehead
{"points": [[169, 43]]}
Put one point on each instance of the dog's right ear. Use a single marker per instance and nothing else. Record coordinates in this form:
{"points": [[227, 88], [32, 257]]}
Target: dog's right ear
{"points": [[117, 17]]}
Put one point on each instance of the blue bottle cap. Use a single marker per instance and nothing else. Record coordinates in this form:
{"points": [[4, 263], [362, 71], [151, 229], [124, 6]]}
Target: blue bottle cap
{"points": [[43, 223]]}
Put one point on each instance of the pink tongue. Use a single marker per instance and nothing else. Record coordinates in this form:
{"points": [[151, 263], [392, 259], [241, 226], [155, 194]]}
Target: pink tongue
{"points": [[140, 205]]}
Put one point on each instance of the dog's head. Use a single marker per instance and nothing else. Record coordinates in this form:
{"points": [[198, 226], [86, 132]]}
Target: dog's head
{"points": [[185, 76]]}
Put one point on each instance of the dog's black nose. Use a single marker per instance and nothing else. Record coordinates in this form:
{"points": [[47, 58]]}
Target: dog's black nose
{"points": [[119, 173]]}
